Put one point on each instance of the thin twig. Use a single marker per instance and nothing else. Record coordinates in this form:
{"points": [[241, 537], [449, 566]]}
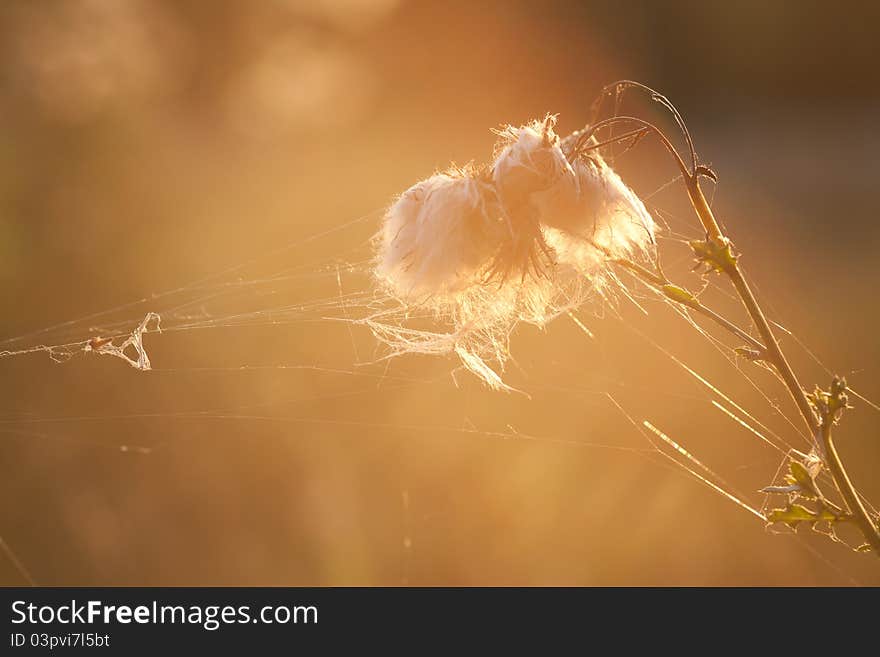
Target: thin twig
{"points": [[733, 271], [821, 431], [853, 501], [681, 296], [722, 258]]}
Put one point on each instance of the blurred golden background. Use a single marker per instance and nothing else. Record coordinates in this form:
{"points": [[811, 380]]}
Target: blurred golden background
{"points": [[149, 144]]}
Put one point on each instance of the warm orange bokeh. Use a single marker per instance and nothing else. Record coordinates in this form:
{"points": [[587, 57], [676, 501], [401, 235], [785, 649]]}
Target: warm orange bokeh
{"points": [[151, 144]]}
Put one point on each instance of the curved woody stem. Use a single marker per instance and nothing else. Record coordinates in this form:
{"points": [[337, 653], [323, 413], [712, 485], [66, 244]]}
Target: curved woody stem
{"points": [[820, 428], [718, 252]]}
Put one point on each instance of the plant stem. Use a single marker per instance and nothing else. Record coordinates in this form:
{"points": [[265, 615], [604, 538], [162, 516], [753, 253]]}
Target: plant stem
{"points": [[853, 502], [734, 272], [821, 431], [775, 353], [727, 324], [819, 426], [660, 284]]}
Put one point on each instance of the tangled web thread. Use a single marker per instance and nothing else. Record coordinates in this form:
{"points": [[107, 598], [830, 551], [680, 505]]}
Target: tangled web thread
{"points": [[135, 341]]}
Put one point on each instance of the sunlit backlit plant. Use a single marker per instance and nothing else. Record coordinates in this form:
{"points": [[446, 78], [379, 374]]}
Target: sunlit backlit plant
{"points": [[549, 224]]}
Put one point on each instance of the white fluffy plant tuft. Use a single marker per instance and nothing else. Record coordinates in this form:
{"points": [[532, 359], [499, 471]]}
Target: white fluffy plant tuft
{"points": [[439, 236], [484, 249]]}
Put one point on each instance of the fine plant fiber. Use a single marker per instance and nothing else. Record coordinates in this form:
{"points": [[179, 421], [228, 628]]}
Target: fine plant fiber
{"points": [[461, 259], [481, 249]]}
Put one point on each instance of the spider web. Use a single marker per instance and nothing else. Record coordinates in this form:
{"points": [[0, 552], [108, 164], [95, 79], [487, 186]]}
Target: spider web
{"points": [[338, 295]]}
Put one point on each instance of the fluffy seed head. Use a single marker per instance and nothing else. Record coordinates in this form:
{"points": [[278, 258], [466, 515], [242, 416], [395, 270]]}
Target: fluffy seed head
{"points": [[598, 217], [529, 159], [439, 236], [450, 243]]}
